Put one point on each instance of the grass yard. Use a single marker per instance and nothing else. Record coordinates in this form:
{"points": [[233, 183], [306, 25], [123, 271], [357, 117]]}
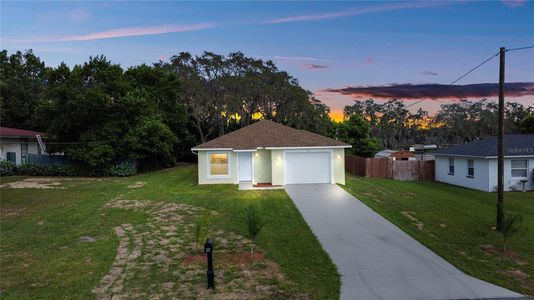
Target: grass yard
{"points": [[457, 224], [132, 237]]}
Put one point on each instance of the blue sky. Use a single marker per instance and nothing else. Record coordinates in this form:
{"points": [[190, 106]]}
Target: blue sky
{"points": [[326, 45]]}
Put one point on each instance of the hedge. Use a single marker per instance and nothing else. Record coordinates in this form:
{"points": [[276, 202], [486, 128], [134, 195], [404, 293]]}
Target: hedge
{"points": [[121, 169]]}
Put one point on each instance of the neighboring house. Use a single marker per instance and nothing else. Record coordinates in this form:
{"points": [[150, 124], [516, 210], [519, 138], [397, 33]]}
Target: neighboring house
{"points": [[269, 153], [15, 144], [474, 165], [396, 154]]}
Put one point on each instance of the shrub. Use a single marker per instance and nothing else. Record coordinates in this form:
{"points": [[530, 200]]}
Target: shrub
{"points": [[7, 168], [254, 223], [126, 168], [123, 169]]}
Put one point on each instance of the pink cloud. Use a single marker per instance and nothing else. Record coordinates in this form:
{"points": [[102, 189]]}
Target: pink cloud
{"points": [[126, 32], [79, 15], [369, 60], [354, 12], [513, 3], [314, 67], [299, 58]]}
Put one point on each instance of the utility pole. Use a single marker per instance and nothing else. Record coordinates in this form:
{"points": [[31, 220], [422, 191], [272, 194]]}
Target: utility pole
{"points": [[500, 145]]}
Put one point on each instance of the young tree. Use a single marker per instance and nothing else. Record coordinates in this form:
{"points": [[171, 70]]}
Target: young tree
{"points": [[255, 223]]}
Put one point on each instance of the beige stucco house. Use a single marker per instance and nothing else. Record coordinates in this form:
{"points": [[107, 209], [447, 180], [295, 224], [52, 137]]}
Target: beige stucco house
{"points": [[268, 153]]}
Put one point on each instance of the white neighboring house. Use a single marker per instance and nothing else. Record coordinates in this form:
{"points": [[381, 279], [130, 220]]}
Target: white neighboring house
{"points": [[15, 144], [474, 165]]}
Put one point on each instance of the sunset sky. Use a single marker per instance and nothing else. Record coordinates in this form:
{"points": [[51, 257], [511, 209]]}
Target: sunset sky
{"points": [[338, 50]]}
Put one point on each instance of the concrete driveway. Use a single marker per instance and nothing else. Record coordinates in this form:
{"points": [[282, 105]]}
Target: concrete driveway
{"points": [[375, 258]]}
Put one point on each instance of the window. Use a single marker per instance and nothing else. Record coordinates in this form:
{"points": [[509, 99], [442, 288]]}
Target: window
{"points": [[470, 168], [12, 157], [451, 166], [218, 164], [519, 168]]}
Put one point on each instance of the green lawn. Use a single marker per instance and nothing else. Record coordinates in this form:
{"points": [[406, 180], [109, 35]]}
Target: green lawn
{"points": [[457, 224], [42, 255]]}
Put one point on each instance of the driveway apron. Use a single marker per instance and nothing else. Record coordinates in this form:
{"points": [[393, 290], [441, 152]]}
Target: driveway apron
{"points": [[375, 258]]}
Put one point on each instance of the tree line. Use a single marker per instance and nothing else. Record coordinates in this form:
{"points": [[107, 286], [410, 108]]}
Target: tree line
{"points": [[98, 112], [394, 126]]}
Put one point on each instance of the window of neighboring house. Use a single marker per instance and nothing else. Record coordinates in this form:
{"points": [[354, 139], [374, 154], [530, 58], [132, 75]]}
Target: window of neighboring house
{"points": [[218, 164], [451, 166], [470, 168], [12, 157], [23, 150], [519, 168]]}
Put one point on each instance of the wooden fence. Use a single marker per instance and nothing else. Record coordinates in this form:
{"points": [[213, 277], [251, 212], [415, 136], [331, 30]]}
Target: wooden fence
{"points": [[389, 168]]}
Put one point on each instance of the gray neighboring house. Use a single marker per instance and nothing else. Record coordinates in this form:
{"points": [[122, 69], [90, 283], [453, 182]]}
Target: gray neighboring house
{"points": [[474, 165], [15, 144]]}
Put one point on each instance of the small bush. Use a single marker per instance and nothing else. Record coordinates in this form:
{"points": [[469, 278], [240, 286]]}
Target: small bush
{"points": [[7, 168], [255, 223], [122, 169]]}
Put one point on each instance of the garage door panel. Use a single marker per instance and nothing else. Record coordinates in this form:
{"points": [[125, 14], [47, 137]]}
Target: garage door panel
{"points": [[308, 167]]}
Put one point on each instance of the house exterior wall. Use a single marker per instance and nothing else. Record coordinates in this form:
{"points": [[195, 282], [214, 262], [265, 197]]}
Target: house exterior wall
{"points": [[511, 183], [485, 178], [339, 166], [14, 145], [268, 166], [277, 167], [480, 180], [262, 166], [204, 178]]}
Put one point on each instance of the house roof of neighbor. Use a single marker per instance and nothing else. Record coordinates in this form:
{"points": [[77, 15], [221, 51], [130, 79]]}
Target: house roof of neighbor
{"points": [[269, 134], [514, 145], [14, 132]]}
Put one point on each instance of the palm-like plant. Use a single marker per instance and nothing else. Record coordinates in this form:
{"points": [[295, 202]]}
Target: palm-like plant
{"points": [[255, 223]]}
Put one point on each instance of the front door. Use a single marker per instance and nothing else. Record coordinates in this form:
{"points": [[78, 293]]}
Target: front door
{"points": [[244, 165]]}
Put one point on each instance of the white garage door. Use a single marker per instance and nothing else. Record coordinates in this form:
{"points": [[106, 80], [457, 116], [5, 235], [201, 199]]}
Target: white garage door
{"points": [[308, 167]]}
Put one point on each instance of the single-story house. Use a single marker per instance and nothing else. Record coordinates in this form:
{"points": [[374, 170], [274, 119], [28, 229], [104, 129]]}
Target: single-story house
{"points": [[269, 153], [15, 144], [396, 154], [474, 165]]}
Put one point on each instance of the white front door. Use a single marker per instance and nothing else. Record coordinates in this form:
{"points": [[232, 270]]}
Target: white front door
{"points": [[308, 167], [244, 165]]}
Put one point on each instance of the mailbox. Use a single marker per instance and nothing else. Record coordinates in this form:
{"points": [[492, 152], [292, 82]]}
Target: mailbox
{"points": [[208, 249], [208, 246]]}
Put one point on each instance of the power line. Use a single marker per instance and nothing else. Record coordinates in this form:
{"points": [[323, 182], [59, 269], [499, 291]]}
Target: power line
{"points": [[457, 79], [520, 48]]}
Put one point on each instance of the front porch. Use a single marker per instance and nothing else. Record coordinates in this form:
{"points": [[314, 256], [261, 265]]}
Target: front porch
{"points": [[248, 185]]}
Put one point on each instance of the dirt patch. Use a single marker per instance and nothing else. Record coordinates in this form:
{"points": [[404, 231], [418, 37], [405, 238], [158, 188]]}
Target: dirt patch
{"points": [[509, 254], [412, 216], [11, 211], [138, 184], [87, 239], [164, 247], [35, 183]]}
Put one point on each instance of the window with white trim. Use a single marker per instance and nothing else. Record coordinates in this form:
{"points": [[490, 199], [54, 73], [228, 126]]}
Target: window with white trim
{"points": [[470, 168], [519, 168], [218, 164], [451, 166]]}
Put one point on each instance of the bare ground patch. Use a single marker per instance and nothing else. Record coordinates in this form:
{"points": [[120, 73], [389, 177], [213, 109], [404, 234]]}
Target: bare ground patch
{"points": [[159, 259], [136, 185], [46, 182]]}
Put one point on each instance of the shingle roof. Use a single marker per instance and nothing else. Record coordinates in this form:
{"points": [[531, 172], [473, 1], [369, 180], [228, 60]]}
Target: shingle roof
{"points": [[14, 132], [267, 133], [514, 145]]}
